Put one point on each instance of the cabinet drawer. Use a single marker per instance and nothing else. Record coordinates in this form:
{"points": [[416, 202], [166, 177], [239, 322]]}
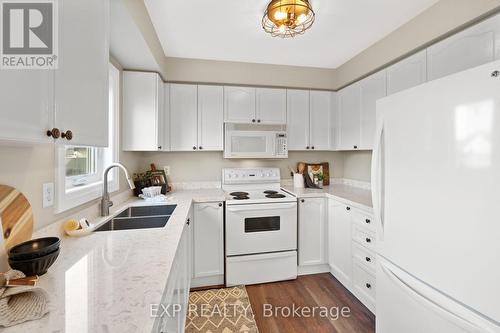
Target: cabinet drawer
{"points": [[363, 237], [364, 257], [364, 220], [364, 285]]}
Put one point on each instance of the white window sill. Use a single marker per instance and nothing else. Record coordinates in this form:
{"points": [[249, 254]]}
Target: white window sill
{"points": [[80, 195]]}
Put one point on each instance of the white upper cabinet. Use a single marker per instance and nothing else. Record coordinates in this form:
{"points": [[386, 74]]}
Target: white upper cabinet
{"points": [[312, 231], [210, 117], [183, 117], [298, 119], [371, 89], [472, 47], [319, 119], [407, 73], [271, 106], [21, 118], [349, 103], [334, 122], [165, 128], [143, 97], [73, 97], [81, 81], [239, 104]]}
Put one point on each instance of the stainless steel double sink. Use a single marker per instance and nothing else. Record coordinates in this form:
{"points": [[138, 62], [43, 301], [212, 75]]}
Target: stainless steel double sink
{"points": [[139, 217]]}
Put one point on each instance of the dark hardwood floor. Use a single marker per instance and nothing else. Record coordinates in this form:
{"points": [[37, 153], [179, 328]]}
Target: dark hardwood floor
{"points": [[319, 290]]}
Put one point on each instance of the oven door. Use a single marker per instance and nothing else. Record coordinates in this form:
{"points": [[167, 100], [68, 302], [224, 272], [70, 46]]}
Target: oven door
{"points": [[261, 228], [249, 144]]}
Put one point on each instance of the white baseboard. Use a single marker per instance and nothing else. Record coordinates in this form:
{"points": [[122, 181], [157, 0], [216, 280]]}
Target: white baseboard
{"points": [[313, 269], [207, 281]]}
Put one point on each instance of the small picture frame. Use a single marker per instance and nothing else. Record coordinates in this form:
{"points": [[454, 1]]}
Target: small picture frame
{"points": [[158, 178]]}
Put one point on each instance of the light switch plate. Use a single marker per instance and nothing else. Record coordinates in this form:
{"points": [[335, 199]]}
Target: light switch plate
{"points": [[166, 168], [48, 195]]}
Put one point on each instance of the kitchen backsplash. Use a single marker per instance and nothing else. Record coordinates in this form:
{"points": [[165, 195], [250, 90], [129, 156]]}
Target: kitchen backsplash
{"points": [[206, 166]]}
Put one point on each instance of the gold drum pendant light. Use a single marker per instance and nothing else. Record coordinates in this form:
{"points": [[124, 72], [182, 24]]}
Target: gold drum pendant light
{"points": [[287, 18]]}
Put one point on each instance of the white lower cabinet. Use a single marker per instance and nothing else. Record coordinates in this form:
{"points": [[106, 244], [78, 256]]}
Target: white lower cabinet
{"points": [[208, 244], [339, 226], [351, 244], [175, 300], [312, 235]]}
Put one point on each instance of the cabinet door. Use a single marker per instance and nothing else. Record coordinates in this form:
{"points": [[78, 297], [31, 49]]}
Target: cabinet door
{"points": [[371, 89], [407, 73], [271, 106], [183, 117], [22, 118], [334, 122], [349, 114], [470, 48], [312, 235], [166, 117], [81, 81], [208, 240], [298, 119], [319, 120], [239, 104], [140, 124], [210, 117], [340, 241]]}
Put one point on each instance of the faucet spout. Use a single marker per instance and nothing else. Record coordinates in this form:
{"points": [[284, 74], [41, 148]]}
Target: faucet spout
{"points": [[105, 202]]}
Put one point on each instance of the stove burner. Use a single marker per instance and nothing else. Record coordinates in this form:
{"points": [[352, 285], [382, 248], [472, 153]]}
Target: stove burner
{"points": [[241, 197], [270, 192], [275, 196], [239, 194]]}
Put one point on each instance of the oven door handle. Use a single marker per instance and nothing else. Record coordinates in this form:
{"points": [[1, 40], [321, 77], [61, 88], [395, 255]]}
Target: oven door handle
{"points": [[243, 208]]}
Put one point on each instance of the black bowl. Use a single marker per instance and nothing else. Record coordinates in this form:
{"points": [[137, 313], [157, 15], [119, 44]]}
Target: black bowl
{"points": [[34, 248], [36, 266]]}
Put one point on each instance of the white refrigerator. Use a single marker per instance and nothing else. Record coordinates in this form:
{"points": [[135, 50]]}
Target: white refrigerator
{"points": [[436, 197]]}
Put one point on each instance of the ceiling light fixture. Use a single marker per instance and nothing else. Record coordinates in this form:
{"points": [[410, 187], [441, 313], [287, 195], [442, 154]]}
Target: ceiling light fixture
{"points": [[287, 18]]}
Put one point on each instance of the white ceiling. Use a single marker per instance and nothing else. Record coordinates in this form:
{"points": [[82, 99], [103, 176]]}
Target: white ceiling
{"points": [[231, 30]]}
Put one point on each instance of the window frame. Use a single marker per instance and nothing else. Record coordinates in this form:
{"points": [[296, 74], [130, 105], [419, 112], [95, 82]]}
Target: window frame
{"points": [[68, 197]]}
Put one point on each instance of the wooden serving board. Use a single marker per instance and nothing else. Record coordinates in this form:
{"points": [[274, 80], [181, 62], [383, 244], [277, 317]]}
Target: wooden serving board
{"points": [[16, 216]]}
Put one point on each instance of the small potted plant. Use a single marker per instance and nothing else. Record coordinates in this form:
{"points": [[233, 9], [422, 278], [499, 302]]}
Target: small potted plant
{"points": [[321, 177], [141, 180]]}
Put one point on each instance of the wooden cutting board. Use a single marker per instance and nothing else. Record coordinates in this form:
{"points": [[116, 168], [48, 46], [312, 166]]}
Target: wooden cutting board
{"points": [[16, 216]]}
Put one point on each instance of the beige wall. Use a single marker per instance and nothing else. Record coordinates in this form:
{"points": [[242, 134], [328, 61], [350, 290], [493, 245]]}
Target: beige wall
{"points": [[210, 71], [206, 166], [357, 165]]}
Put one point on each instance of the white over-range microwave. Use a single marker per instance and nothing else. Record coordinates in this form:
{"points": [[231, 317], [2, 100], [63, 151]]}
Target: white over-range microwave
{"points": [[255, 141]]}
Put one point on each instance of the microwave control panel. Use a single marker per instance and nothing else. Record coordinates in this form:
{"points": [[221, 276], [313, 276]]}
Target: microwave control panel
{"points": [[281, 144]]}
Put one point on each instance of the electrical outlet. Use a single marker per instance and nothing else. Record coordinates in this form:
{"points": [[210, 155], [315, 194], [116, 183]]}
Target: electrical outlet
{"points": [[48, 195], [166, 168]]}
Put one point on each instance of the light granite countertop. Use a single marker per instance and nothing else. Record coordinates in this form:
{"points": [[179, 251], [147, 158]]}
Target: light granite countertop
{"points": [[352, 195], [107, 281]]}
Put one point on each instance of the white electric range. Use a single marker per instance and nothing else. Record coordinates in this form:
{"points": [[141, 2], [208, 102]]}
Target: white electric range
{"points": [[261, 227]]}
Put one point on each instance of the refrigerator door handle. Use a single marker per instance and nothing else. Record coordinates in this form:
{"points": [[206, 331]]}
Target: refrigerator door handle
{"points": [[376, 175], [446, 307]]}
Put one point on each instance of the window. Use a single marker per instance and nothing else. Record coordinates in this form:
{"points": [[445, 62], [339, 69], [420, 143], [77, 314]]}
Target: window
{"points": [[80, 169]]}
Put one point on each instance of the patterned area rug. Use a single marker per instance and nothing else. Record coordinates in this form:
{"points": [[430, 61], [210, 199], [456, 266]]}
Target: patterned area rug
{"points": [[225, 310]]}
